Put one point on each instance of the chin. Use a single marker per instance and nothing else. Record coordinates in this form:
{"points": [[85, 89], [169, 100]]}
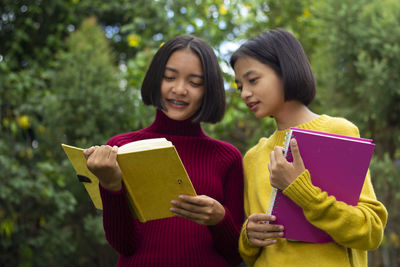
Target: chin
{"points": [[260, 116], [177, 117]]}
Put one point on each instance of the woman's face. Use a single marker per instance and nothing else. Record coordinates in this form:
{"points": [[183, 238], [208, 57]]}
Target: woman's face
{"points": [[261, 88], [182, 86]]}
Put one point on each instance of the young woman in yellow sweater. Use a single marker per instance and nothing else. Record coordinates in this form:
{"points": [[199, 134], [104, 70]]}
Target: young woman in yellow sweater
{"points": [[275, 80]]}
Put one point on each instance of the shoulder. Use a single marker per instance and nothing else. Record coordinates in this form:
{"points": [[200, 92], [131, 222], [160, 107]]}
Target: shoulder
{"points": [[225, 149], [254, 151], [339, 125]]}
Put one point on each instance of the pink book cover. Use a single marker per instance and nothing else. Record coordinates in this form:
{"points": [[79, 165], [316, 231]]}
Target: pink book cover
{"points": [[337, 164]]}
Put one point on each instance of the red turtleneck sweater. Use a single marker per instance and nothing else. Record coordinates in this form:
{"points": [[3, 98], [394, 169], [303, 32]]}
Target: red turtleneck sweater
{"points": [[215, 168]]}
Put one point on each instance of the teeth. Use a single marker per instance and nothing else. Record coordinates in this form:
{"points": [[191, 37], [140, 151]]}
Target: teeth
{"points": [[178, 102]]}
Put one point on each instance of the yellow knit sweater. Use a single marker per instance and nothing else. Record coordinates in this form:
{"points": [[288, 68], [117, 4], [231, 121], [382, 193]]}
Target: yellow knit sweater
{"points": [[355, 229]]}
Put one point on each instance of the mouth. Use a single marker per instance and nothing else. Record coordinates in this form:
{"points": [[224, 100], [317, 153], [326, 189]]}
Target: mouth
{"points": [[178, 103], [252, 105]]}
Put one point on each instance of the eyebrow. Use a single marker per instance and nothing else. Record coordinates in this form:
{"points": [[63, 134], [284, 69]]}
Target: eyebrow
{"points": [[246, 74], [192, 74]]}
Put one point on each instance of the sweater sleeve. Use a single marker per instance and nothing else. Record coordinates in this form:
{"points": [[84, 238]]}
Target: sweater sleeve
{"points": [[359, 227], [120, 228], [119, 225], [248, 252], [226, 233]]}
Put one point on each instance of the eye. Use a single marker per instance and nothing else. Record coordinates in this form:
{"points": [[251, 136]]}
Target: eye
{"points": [[168, 78], [253, 80], [196, 84], [237, 85]]}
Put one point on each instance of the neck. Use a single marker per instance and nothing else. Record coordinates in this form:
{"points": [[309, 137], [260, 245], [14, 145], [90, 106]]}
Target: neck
{"points": [[165, 125], [293, 113]]}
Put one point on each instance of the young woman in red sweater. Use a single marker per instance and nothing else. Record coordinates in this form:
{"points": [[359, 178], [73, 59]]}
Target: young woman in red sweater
{"points": [[184, 82]]}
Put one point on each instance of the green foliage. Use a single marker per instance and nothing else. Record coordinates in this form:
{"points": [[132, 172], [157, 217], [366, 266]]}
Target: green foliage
{"points": [[386, 172], [363, 53], [357, 66], [35, 120], [85, 104], [32, 31]]}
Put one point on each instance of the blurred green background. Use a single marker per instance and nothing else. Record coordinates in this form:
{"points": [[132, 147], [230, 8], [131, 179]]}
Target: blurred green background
{"points": [[70, 72]]}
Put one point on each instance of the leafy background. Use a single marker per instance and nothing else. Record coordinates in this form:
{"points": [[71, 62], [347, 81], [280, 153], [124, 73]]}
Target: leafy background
{"points": [[70, 72]]}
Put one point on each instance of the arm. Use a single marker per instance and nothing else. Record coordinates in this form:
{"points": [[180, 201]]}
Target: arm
{"points": [[117, 221], [247, 250], [258, 233], [359, 227], [223, 219], [226, 232], [121, 230]]}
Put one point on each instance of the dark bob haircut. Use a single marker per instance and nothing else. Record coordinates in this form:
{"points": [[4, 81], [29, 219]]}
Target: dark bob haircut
{"points": [[213, 104], [281, 51]]}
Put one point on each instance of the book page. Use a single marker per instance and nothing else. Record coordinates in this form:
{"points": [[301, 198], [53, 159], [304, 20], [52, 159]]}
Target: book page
{"points": [[145, 144], [338, 136]]}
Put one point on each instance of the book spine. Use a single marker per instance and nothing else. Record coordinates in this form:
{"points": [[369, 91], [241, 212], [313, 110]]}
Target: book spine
{"points": [[271, 201], [287, 152], [274, 197]]}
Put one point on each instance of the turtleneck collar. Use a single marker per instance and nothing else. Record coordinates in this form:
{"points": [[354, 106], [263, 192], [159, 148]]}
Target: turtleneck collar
{"points": [[164, 125]]}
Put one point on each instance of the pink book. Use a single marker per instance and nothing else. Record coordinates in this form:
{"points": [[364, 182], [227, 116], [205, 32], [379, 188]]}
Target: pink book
{"points": [[337, 164]]}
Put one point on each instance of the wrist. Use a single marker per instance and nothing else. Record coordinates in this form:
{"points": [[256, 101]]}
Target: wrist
{"points": [[221, 214], [116, 186]]}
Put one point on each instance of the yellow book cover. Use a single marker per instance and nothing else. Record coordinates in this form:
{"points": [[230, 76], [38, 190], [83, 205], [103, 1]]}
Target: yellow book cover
{"points": [[152, 173]]}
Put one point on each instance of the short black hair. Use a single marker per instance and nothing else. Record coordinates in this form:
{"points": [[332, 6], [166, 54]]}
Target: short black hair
{"points": [[213, 103], [281, 51]]}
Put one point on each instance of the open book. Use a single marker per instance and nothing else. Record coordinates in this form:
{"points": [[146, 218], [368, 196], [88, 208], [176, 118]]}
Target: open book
{"points": [[152, 172], [337, 164]]}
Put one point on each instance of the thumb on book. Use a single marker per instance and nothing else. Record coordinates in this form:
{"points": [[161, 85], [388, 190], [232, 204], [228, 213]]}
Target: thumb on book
{"points": [[297, 160], [87, 152]]}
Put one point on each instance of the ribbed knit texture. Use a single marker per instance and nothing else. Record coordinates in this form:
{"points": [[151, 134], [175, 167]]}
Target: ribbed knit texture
{"points": [[215, 168], [354, 229]]}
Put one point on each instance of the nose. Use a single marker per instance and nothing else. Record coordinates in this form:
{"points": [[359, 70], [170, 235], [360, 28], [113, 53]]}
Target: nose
{"points": [[179, 87], [245, 93]]}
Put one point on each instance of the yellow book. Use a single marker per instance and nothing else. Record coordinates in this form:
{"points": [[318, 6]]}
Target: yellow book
{"points": [[152, 172]]}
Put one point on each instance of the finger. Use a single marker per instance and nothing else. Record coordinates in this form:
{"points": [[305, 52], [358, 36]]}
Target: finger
{"points": [[105, 151], [188, 206], [270, 168], [272, 157], [87, 152], [94, 154], [262, 243], [113, 153], [187, 214], [91, 158], [264, 235], [261, 217], [278, 153], [297, 160], [265, 228], [197, 200]]}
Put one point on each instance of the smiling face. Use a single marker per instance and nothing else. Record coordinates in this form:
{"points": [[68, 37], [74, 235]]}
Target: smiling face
{"points": [[182, 86], [261, 88]]}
